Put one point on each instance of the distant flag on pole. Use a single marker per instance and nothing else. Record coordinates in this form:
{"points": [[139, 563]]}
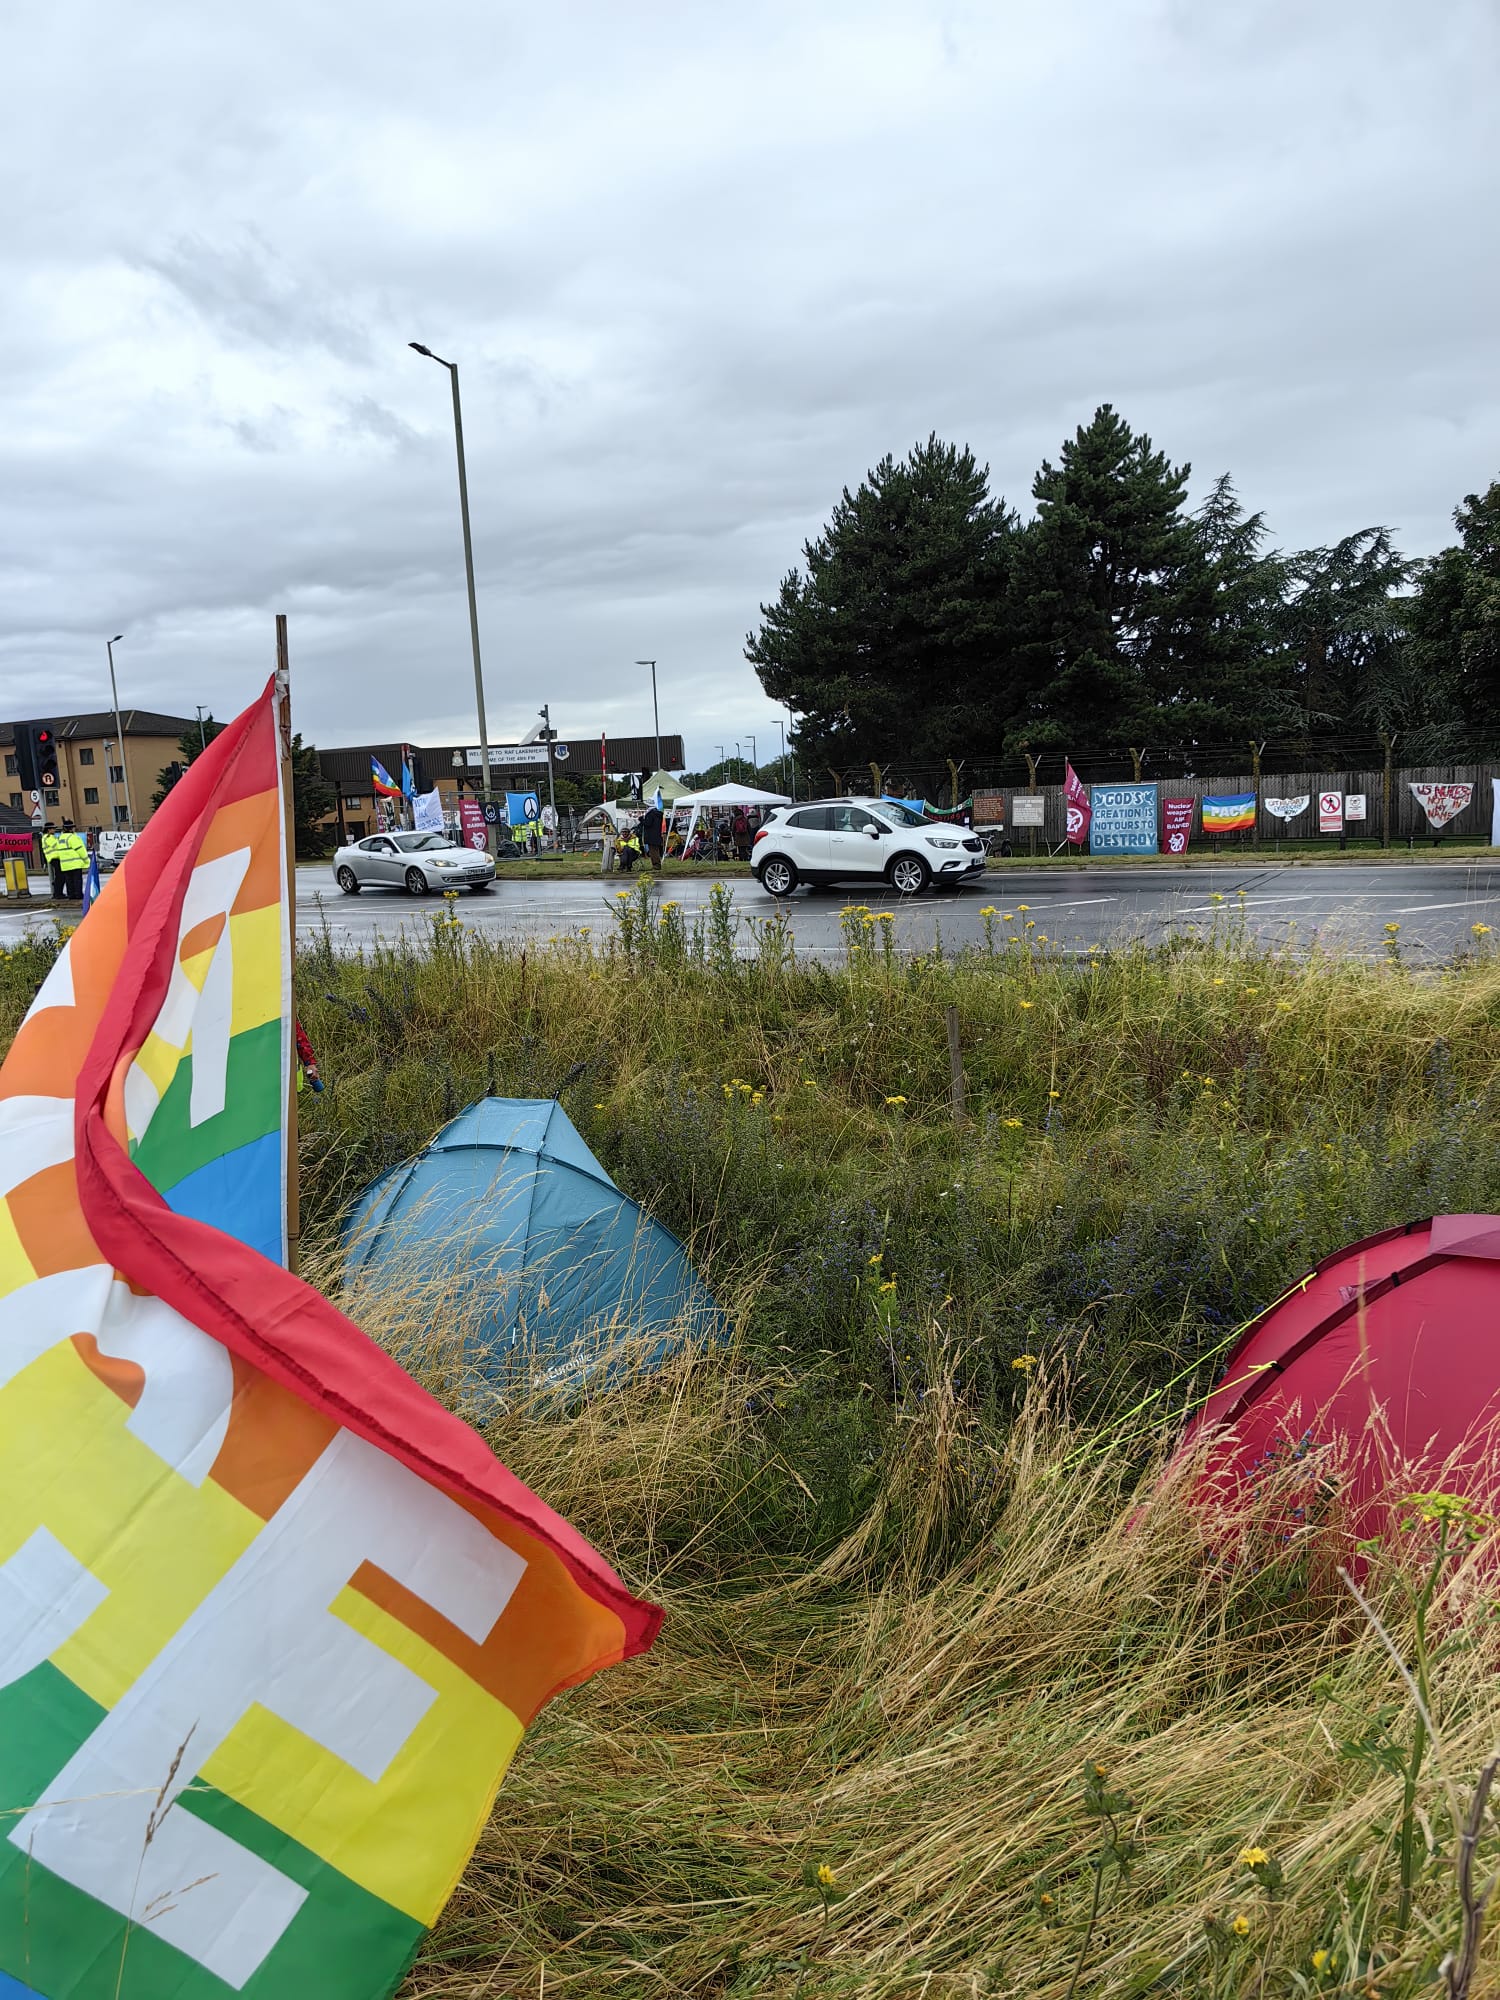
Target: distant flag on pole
{"points": [[91, 881], [385, 785], [408, 780], [1079, 811], [272, 1621]]}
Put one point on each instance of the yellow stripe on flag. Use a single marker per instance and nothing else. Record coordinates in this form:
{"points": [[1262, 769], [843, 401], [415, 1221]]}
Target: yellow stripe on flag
{"points": [[398, 1838]]}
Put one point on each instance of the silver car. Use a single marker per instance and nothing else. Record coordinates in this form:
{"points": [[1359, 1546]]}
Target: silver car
{"points": [[415, 862]]}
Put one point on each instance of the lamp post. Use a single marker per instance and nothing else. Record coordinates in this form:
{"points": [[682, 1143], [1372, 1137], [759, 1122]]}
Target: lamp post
{"points": [[720, 748], [782, 727], [655, 716], [114, 695], [202, 739], [545, 712], [463, 507], [754, 758]]}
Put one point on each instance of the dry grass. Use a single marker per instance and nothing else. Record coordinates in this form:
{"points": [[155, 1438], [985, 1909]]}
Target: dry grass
{"points": [[917, 1708]]}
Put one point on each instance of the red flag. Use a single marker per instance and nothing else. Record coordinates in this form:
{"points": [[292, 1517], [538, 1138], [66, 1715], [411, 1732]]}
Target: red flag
{"points": [[1177, 829], [1080, 812]]}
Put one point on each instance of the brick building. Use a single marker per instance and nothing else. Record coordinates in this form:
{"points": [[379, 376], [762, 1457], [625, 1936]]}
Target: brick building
{"points": [[92, 773]]}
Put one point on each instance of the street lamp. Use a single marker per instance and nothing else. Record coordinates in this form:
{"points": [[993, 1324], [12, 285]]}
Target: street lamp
{"points": [[202, 739], [782, 727], [545, 712], [114, 695], [463, 507], [655, 716], [754, 757]]}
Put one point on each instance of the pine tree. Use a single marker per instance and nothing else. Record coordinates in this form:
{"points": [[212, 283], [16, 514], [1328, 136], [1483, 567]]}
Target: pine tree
{"points": [[1343, 627], [1114, 598], [893, 640], [193, 741], [1455, 617]]}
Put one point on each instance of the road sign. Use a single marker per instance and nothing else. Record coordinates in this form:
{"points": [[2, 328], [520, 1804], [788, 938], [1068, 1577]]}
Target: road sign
{"points": [[38, 818], [36, 798]]}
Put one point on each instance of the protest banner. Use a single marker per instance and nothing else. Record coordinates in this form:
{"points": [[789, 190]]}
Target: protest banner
{"points": [[1177, 825], [1028, 809], [1441, 803], [1079, 810], [1123, 819], [473, 832], [1286, 809], [1228, 812]]}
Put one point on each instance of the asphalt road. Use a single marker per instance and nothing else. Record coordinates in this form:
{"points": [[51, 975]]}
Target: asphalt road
{"points": [[1348, 906]]}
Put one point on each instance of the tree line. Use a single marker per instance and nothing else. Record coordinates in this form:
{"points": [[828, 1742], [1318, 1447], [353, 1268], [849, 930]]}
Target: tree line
{"points": [[929, 620]]}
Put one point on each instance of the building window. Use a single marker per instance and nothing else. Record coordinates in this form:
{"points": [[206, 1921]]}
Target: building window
{"points": [[85, 756], [117, 773], [12, 768], [121, 815], [91, 795], [15, 799], [354, 805], [52, 798]]}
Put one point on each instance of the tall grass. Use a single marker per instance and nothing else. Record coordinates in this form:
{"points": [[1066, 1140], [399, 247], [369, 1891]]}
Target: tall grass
{"points": [[923, 1631]]}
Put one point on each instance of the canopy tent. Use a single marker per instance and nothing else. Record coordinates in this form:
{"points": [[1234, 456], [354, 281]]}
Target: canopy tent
{"points": [[731, 796], [1383, 1363], [507, 1228], [672, 790]]}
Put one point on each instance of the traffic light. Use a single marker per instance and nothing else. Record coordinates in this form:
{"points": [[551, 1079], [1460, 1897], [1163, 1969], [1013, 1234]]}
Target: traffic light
{"points": [[36, 756]]}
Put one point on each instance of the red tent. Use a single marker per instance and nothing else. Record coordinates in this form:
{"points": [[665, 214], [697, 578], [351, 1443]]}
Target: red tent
{"points": [[1389, 1353]]}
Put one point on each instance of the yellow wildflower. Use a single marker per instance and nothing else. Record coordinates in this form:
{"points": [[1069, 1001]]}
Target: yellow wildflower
{"points": [[1283, 1006], [1391, 929], [624, 894], [1027, 1003], [1012, 1123], [1218, 982], [1023, 908], [1024, 1362], [895, 1100], [1054, 1093], [1253, 1857], [1319, 1960], [1241, 1926], [1007, 916], [988, 910], [1480, 930], [758, 1097], [826, 1876], [889, 1285]]}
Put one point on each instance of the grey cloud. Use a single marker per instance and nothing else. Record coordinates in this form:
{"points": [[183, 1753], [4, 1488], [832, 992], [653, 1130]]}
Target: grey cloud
{"points": [[700, 267]]}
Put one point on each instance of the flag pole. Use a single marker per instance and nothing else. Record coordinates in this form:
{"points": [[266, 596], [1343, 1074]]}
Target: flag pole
{"points": [[289, 845]]}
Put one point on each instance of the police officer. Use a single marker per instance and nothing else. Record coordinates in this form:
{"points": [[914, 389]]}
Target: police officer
{"points": [[73, 859], [52, 855]]}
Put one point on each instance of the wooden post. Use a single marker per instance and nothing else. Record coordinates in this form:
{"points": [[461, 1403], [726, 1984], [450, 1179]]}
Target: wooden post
{"points": [[1031, 770], [953, 770], [877, 779], [956, 1069], [1136, 757], [1388, 744], [1255, 750], [289, 842]]}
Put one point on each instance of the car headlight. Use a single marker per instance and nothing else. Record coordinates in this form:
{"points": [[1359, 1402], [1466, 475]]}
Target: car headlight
{"points": [[934, 841], [447, 864]]}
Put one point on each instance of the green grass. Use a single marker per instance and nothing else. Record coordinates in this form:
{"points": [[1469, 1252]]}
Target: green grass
{"points": [[913, 1599]]}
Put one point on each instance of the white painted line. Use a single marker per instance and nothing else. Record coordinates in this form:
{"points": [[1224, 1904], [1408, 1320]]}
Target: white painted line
{"points": [[1087, 903], [1464, 903]]}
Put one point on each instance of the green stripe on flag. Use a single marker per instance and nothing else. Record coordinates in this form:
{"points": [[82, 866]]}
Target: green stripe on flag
{"points": [[171, 1148], [343, 1944]]}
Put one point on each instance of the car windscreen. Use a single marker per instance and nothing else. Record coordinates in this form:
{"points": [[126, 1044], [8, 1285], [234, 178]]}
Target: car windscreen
{"points": [[901, 815], [417, 843]]}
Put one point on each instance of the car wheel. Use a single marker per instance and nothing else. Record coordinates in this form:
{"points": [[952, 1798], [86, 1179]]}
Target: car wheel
{"points": [[416, 882], [778, 876], [348, 881], [909, 874]]}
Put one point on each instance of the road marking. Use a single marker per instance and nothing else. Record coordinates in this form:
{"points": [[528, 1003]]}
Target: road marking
{"points": [[1087, 903], [1465, 903]]}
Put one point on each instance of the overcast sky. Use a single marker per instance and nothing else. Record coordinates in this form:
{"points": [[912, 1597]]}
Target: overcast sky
{"points": [[700, 265]]}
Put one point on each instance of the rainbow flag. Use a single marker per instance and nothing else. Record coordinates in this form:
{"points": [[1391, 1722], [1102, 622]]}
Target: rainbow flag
{"points": [[271, 1621], [1232, 812], [385, 788]]}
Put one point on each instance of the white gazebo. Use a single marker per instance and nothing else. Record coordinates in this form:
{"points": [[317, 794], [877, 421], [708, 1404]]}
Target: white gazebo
{"points": [[732, 796]]}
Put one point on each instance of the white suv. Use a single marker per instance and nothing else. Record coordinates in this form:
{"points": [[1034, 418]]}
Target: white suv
{"points": [[833, 840]]}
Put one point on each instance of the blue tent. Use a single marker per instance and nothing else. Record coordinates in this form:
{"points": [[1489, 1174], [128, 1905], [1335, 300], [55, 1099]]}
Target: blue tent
{"points": [[512, 1228]]}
